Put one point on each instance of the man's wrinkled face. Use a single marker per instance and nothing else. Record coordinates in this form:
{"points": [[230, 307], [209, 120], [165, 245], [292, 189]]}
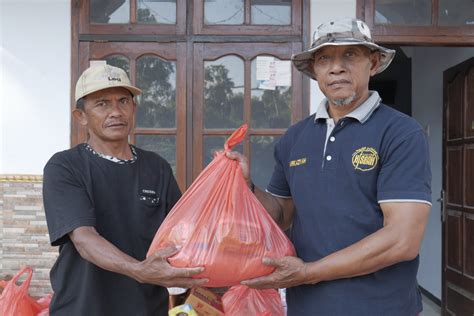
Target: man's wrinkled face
{"points": [[108, 114], [343, 73]]}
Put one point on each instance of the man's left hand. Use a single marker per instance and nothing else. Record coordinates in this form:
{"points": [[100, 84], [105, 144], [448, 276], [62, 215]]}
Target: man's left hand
{"points": [[289, 271]]}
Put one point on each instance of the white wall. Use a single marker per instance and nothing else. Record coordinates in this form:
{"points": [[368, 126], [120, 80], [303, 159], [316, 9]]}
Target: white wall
{"points": [[322, 11], [35, 63], [428, 64]]}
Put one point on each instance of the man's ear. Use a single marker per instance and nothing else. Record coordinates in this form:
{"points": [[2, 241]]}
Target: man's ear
{"points": [[80, 116], [374, 62]]}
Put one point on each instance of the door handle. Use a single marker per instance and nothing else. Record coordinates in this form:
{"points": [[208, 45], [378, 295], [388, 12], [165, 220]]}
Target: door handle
{"points": [[442, 200]]}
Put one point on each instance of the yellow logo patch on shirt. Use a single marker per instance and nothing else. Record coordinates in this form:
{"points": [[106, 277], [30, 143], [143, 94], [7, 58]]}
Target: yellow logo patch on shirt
{"points": [[365, 158], [297, 162]]}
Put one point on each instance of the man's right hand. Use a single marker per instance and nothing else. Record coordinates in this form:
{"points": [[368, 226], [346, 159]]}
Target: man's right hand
{"points": [[156, 270], [243, 162]]}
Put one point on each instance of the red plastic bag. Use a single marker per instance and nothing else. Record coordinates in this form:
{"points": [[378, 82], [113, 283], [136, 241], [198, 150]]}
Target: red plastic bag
{"points": [[220, 224], [241, 300], [15, 300]]}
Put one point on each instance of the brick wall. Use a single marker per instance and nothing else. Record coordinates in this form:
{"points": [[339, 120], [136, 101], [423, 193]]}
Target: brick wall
{"points": [[23, 233]]}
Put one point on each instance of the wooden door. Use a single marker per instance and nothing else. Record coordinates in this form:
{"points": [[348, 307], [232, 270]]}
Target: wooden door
{"points": [[458, 183], [227, 94], [159, 70]]}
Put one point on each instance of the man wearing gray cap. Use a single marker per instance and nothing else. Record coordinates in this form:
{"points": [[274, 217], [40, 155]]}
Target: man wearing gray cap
{"points": [[104, 201], [352, 182]]}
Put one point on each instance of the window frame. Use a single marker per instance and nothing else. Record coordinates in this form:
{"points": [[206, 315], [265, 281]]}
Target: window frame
{"points": [[213, 51], [294, 28], [135, 28], [415, 35]]}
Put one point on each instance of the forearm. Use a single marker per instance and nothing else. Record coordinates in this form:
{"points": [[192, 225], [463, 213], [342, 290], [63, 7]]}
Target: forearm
{"points": [[377, 251], [97, 250], [281, 211]]}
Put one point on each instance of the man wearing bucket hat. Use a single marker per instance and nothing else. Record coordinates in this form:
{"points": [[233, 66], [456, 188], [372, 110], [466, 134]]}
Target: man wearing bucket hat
{"points": [[104, 201], [353, 183]]}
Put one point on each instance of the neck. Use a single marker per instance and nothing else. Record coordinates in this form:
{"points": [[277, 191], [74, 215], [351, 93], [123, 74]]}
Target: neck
{"points": [[119, 149], [336, 112]]}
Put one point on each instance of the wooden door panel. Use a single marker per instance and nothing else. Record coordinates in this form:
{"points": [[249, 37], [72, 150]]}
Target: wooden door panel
{"points": [[454, 241], [458, 301], [458, 182], [454, 169], [469, 122], [468, 244], [469, 179], [455, 112]]}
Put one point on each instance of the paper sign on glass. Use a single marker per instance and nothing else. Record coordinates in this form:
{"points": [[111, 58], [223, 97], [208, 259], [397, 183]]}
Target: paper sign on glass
{"points": [[264, 64], [283, 73]]}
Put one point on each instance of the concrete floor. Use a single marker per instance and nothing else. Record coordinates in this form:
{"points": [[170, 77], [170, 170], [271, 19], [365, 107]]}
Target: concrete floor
{"points": [[430, 308]]}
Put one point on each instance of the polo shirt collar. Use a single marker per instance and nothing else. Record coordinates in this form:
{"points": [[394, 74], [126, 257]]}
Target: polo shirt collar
{"points": [[362, 113]]}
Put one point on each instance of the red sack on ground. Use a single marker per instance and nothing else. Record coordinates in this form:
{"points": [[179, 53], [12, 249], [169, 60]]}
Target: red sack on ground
{"points": [[15, 300], [241, 300], [220, 225]]}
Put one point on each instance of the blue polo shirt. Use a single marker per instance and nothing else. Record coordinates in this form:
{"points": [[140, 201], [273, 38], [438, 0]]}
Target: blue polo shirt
{"points": [[338, 175]]}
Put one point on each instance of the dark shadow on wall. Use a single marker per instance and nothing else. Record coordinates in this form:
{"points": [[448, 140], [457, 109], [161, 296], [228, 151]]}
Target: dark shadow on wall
{"points": [[394, 84]]}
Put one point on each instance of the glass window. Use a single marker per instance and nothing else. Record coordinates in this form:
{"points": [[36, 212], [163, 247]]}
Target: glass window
{"points": [[271, 12], [156, 11], [163, 145], [408, 12], [112, 12], [213, 144], [223, 92], [119, 61], [456, 12], [157, 103], [271, 100], [224, 11], [261, 159]]}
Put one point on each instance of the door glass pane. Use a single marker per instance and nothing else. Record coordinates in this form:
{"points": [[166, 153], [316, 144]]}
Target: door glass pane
{"points": [[271, 99], [156, 11], [271, 12], [223, 11], [212, 144], [163, 145], [223, 92], [456, 12], [113, 12], [261, 159], [407, 12], [119, 61], [157, 103]]}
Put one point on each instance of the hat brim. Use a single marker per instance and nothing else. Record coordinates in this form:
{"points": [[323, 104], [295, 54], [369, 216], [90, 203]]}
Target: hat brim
{"points": [[303, 60], [133, 90]]}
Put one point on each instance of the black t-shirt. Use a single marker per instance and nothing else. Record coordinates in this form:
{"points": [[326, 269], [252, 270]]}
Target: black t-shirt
{"points": [[126, 203]]}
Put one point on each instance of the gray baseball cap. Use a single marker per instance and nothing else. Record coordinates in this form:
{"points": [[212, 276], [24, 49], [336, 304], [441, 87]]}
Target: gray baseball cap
{"points": [[345, 31]]}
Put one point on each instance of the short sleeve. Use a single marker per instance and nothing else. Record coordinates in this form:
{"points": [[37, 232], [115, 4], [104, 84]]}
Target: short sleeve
{"points": [[66, 203], [406, 173], [278, 185]]}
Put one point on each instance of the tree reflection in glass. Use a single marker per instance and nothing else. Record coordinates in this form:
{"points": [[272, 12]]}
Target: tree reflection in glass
{"points": [[163, 145], [211, 144], [261, 159], [156, 11], [223, 92], [119, 61], [157, 103]]}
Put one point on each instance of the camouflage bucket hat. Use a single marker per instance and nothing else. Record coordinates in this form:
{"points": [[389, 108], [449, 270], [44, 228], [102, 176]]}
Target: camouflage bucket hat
{"points": [[337, 33]]}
